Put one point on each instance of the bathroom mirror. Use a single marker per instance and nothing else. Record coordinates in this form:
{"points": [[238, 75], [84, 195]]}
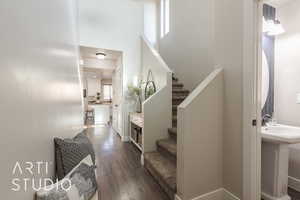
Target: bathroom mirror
{"points": [[268, 63], [265, 84]]}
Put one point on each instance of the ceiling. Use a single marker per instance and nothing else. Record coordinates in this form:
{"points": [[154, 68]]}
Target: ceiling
{"points": [[95, 68], [277, 3]]}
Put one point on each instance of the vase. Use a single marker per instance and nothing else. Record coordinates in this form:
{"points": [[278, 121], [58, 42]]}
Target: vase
{"points": [[139, 105]]}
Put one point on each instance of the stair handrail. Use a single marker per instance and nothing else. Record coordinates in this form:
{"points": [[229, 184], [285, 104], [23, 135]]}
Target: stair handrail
{"points": [[200, 88]]}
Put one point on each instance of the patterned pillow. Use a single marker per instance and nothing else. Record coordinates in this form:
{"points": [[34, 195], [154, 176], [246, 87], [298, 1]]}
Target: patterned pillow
{"points": [[69, 152], [79, 184]]}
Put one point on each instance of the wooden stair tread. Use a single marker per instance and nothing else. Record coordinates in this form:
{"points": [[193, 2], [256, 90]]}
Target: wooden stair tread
{"points": [[163, 167], [176, 84], [179, 97], [179, 90], [176, 102], [168, 145], [174, 117]]}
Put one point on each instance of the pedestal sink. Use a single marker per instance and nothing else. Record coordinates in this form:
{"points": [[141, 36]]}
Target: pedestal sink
{"points": [[275, 158]]}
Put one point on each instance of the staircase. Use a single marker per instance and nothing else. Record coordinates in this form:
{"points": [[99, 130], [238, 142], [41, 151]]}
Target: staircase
{"points": [[162, 163]]}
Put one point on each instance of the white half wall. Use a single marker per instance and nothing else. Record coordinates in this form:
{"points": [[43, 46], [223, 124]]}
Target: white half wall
{"points": [[200, 139], [157, 109], [40, 88]]}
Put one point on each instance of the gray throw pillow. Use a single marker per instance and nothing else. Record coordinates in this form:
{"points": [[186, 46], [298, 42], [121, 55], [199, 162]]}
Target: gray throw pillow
{"points": [[69, 152]]}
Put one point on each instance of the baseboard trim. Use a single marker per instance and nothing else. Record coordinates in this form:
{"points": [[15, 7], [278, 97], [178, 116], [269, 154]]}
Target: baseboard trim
{"points": [[229, 196], [294, 183], [214, 195], [219, 194]]}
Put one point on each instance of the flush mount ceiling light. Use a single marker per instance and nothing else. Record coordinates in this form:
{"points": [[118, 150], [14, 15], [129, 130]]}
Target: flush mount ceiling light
{"points": [[101, 56]]}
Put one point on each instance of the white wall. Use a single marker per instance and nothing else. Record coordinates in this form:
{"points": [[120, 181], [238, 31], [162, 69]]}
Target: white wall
{"points": [[151, 20], [229, 18], [39, 84], [152, 61], [287, 79], [205, 34], [115, 25], [187, 49], [287, 62]]}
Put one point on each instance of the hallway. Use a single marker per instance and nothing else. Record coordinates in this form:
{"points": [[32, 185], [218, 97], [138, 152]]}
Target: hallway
{"points": [[119, 173]]}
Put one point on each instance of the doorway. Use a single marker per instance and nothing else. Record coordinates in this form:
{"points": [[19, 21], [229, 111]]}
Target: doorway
{"points": [[276, 168], [102, 80]]}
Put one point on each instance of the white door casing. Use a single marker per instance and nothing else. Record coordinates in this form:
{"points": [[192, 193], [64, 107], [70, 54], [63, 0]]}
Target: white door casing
{"points": [[117, 99], [252, 100]]}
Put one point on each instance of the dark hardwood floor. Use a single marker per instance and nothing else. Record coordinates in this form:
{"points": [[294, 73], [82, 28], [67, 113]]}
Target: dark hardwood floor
{"points": [[119, 172]]}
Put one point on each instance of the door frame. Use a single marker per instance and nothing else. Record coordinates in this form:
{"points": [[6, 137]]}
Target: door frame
{"points": [[252, 99], [121, 103]]}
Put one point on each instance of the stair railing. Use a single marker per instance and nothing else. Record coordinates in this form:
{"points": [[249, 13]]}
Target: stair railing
{"points": [[200, 139], [157, 109]]}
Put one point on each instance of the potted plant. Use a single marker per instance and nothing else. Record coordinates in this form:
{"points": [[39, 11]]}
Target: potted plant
{"points": [[135, 92]]}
